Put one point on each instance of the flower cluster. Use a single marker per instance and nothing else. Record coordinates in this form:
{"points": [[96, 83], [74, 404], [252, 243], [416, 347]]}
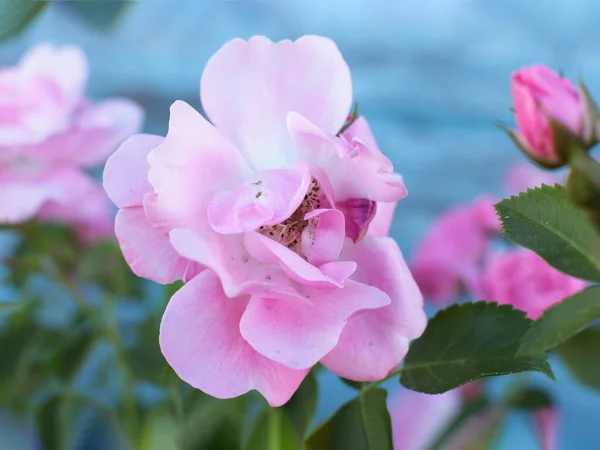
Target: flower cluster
{"points": [[49, 134], [275, 222], [457, 252]]}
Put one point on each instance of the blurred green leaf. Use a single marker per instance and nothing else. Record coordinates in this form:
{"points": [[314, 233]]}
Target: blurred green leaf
{"points": [[48, 426], [531, 399], [15, 15], [581, 354], [361, 424], [469, 341], [562, 321], [301, 408], [274, 431], [547, 222], [160, 432], [99, 14], [213, 424]]}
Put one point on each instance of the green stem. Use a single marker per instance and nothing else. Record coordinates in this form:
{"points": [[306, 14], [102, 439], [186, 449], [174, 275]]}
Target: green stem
{"points": [[112, 333], [373, 385], [274, 442]]}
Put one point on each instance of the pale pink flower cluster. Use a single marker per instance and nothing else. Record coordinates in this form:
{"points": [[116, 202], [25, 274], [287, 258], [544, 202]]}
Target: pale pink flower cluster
{"points": [[457, 252], [49, 134], [277, 226]]}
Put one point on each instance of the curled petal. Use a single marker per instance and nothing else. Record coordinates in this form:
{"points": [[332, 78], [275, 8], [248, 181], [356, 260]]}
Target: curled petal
{"points": [[299, 334]]}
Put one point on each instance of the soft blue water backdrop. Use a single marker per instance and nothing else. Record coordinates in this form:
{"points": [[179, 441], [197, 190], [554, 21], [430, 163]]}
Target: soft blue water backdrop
{"points": [[430, 75]]}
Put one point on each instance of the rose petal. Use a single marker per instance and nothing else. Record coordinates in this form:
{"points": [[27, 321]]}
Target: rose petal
{"points": [[299, 334], [200, 338], [248, 88], [373, 343], [147, 249], [368, 175], [126, 171], [193, 163], [269, 198]]}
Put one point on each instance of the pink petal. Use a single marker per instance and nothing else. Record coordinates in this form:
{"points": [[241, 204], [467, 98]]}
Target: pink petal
{"points": [[374, 343], [200, 338], [546, 421], [65, 66], [358, 213], [382, 222], [520, 177], [238, 271], [248, 88], [268, 251], [97, 132], [147, 249], [126, 171], [298, 334], [269, 198], [367, 174], [192, 164], [418, 419], [323, 239]]}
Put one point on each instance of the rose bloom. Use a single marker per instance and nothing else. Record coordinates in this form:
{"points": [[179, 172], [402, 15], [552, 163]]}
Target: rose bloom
{"points": [[277, 226], [49, 134], [449, 255], [523, 279], [539, 93]]}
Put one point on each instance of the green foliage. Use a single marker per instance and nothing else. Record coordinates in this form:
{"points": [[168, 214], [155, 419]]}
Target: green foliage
{"points": [[465, 342], [361, 424], [99, 14], [274, 431], [547, 222], [562, 321], [301, 408], [15, 15], [581, 354]]}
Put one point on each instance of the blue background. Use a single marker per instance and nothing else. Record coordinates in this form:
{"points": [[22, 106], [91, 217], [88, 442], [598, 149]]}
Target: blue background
{"points": [[430, 75]]}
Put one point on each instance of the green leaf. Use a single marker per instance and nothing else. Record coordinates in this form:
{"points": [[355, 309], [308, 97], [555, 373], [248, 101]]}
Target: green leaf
{"points": [[100, 14], [562, 321], [274, 431], [213, 424], [547, 222], [361, 424], [301, 408], [581, 354], [48, 425], [531, 399], [469, 341], [16, 15]]}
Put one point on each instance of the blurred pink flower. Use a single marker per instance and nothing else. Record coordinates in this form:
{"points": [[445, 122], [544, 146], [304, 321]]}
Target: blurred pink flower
{"points": [[521, 177], [539, 93], [521, 278], [546, 422], [419, 419], [267, 214], [450, 254], [49, 133]]}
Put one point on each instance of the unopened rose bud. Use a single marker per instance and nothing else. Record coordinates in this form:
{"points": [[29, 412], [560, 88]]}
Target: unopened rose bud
{"points": [[550, 115]]}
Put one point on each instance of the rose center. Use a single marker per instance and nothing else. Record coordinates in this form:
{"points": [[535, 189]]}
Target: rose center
{"points": [[296, 232]]}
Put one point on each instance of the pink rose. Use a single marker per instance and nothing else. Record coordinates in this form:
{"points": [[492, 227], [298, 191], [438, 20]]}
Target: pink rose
{"points": [[49, 134], [266, 214], [539, 94], [419, 419], [546, 423], [521, 278], [451, 251]]}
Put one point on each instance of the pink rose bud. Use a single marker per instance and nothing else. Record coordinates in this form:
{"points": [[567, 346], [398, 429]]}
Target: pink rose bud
{"points": [[550, 115]]}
